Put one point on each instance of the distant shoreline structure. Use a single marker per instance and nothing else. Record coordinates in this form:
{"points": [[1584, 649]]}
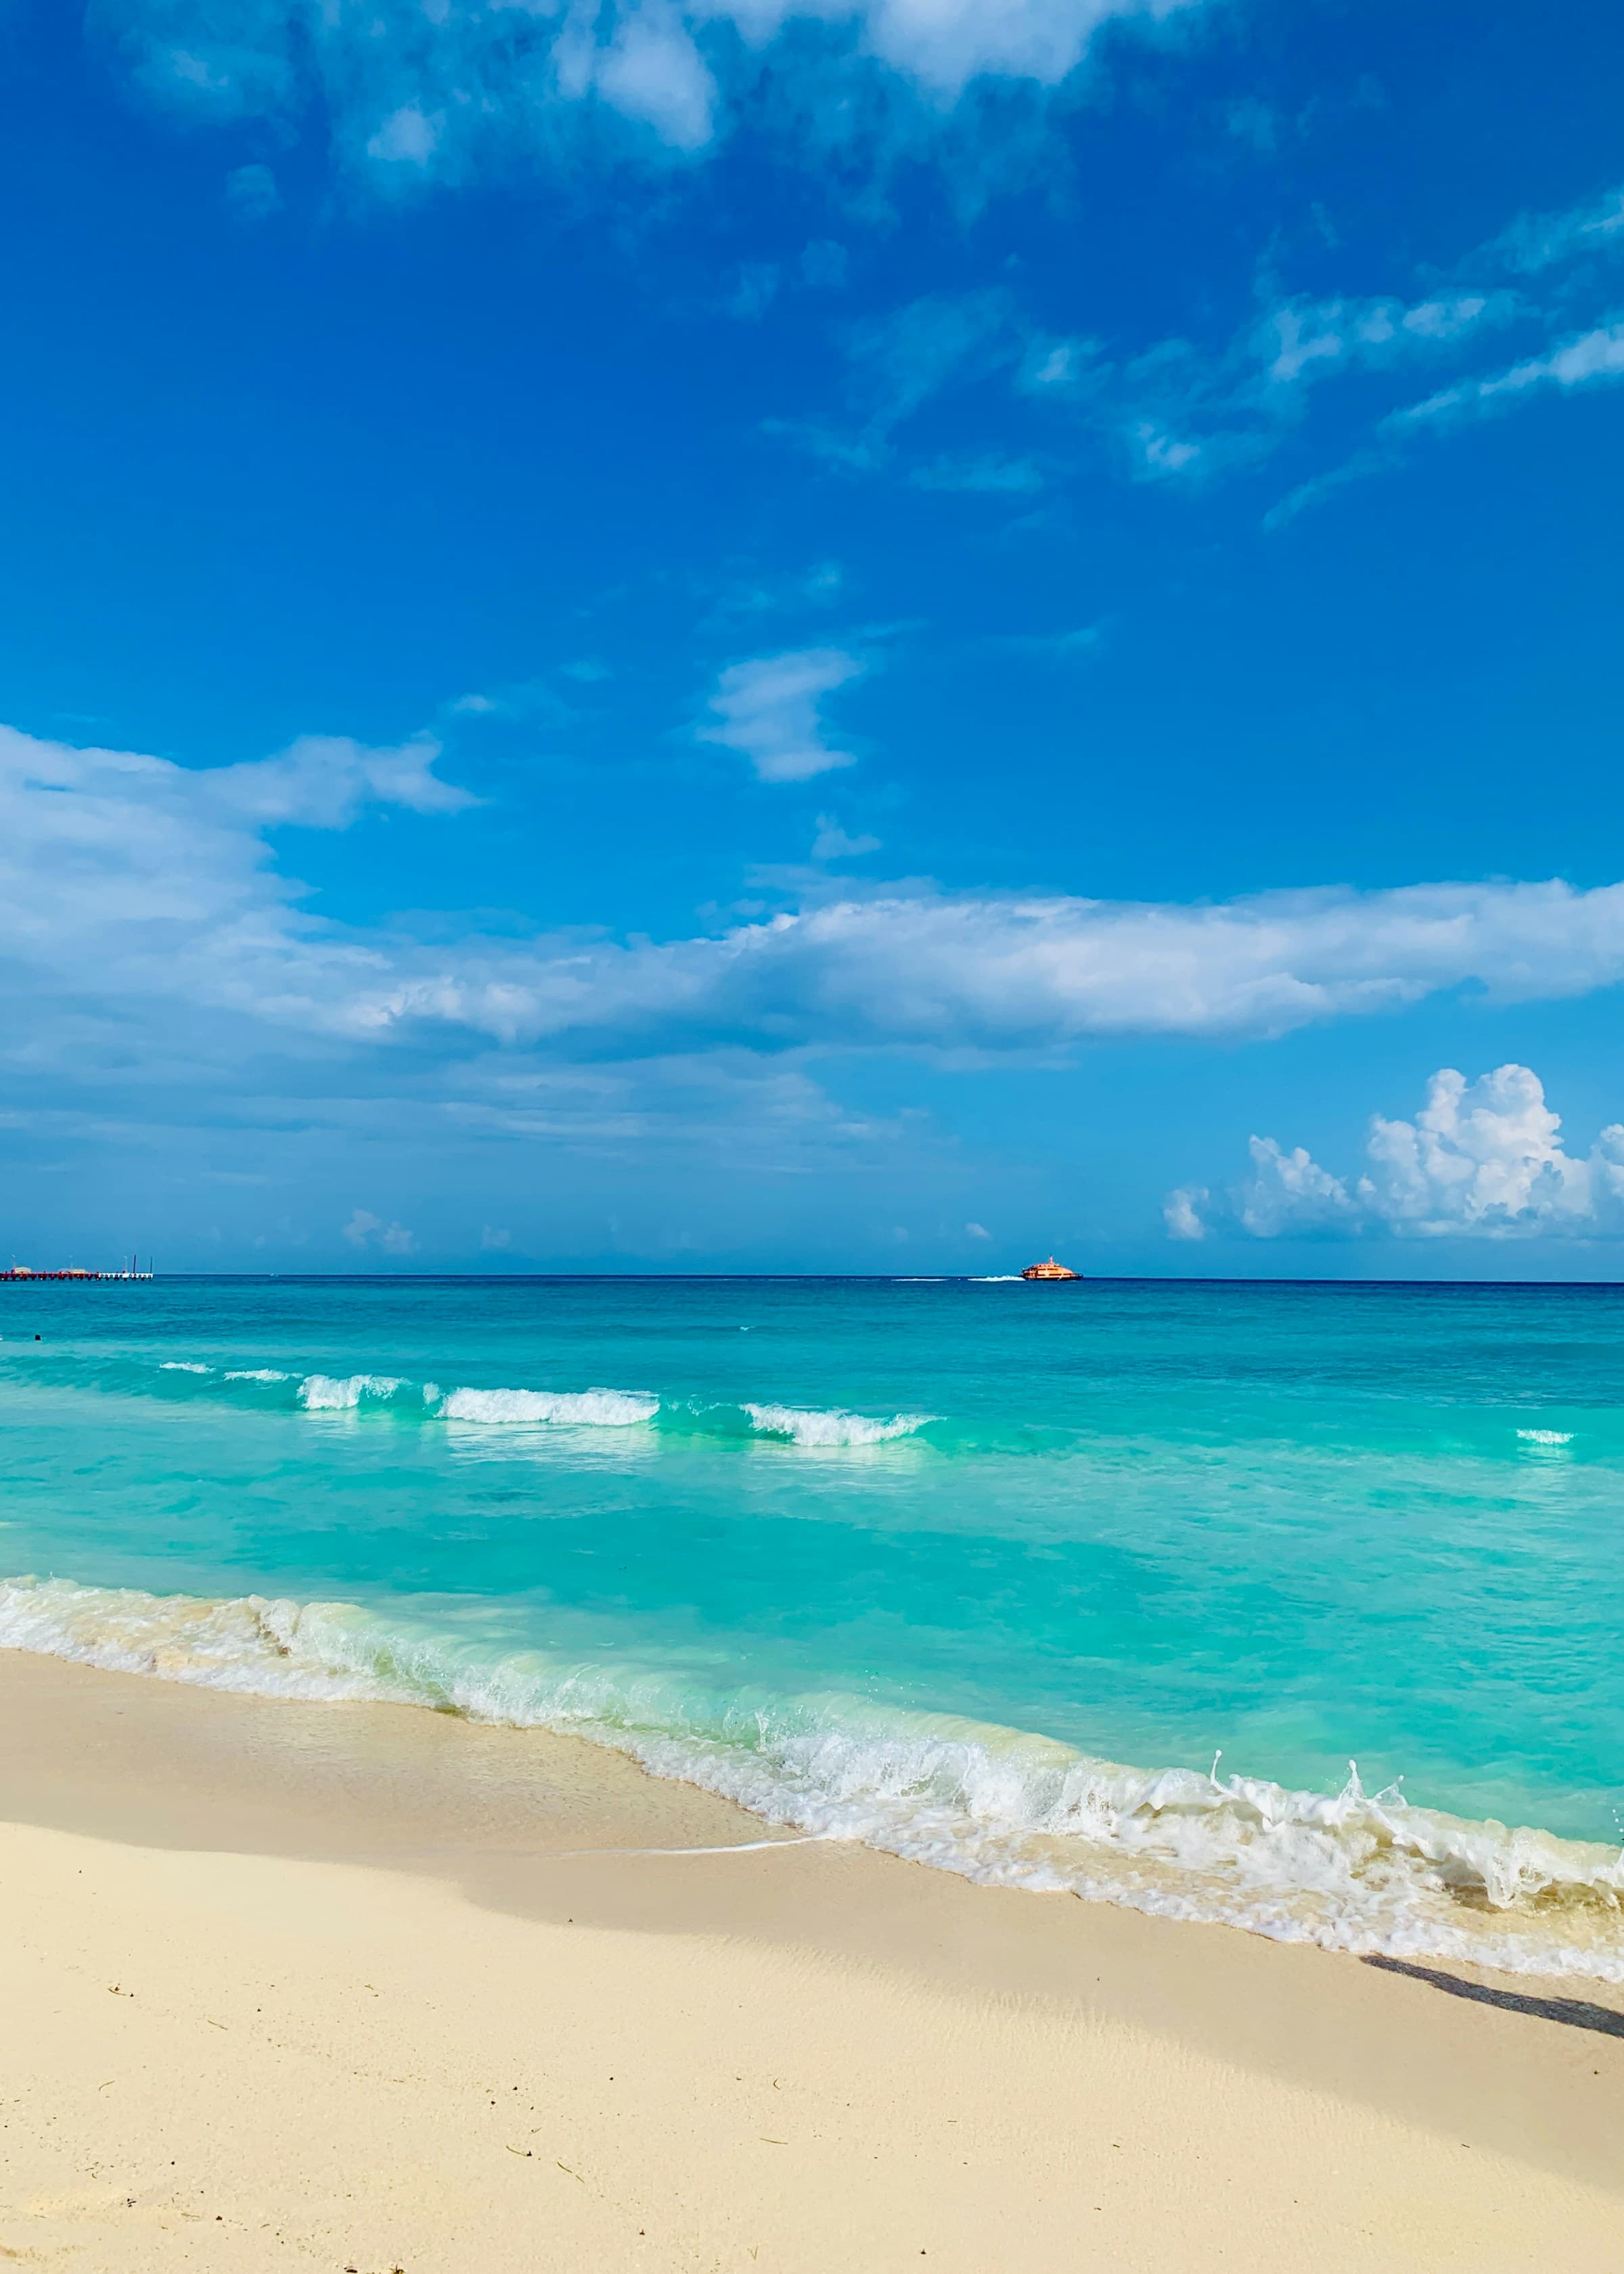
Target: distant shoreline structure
{"points": [[20, 1271]]}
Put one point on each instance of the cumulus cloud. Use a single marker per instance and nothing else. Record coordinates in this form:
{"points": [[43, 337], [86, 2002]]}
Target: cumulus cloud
{"points": [[1182, 1214], [768, 709], [1481, 1160], [407, 87], [367, 1231]]}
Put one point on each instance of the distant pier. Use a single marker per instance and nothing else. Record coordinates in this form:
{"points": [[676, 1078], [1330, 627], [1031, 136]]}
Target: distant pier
{"points": [[74, 1271]]}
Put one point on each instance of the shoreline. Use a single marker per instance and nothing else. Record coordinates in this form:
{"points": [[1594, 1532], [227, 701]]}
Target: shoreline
{"points": [[494, 1876], [1362, 1872]]}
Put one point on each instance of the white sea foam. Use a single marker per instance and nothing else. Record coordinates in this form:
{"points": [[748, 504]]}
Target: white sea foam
{"points": [[807, 1425], [328, 1393], [257, 1374], [998, 1279], [1546, 1436], [1354, 1871], [184, 1366], [590, 1408]]}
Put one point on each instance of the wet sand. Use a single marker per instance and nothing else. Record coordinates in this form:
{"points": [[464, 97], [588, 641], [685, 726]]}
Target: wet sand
{"points": [[369, 1987]]}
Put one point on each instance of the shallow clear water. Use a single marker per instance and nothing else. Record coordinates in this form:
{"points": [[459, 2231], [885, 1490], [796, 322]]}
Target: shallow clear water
{"points": [[962, 1568]]}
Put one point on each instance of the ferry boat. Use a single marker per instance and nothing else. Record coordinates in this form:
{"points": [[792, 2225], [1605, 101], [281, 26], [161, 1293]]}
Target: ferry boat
{"points": [[1049, 1270]]}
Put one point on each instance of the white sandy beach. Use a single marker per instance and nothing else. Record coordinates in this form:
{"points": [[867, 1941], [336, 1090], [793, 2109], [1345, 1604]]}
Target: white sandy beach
{"points": [[296, 1986]]}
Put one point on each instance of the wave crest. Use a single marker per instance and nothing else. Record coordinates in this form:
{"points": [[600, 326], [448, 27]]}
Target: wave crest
{"points": [[807, 1425], [328, 1393], [593, 1409]]}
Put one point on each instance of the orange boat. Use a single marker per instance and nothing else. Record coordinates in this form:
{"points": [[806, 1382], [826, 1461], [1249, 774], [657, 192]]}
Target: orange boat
{"points": [[1049, 1270]]}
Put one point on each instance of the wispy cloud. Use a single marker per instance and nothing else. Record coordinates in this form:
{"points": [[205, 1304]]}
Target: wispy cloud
{"points": [[1538, 241], [1171, 412], [1567, 360], [1183, 414], [988, 473], [1481, 1160], [898, 363], [768, 709], [1059, 647], [832, 844], [1592, 358]]}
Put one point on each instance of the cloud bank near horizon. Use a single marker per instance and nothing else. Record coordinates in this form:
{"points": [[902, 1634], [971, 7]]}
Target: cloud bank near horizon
{"points": [[1482, 1160]]}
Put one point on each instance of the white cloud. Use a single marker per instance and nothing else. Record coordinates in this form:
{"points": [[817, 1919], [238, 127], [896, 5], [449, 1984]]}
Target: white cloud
{"points": [[1182, 1213], [1289, 1192], [768, 709], [899, 361], [367, 1231], [322, 781], [977, 1232], [1172, 412], [1480, 1159], [142, 917], [405, 85], [652, 72], [1298, 342], [1589, 358], [832, 843], [1536, 241], [1181, 415], [406, 138]]}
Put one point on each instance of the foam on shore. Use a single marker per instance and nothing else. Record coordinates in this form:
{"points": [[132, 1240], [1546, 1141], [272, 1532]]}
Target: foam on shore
{"points": [[1352, 1871]]}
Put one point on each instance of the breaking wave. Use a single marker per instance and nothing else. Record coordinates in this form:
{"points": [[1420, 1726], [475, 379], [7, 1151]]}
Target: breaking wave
{"points": [[805, 1424], [269, 1388], [590, 1408], [326, 1393], [1352, 1871]]}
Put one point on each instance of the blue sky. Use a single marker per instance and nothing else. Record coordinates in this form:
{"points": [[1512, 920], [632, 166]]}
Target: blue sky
{"points": [[839, 637]]}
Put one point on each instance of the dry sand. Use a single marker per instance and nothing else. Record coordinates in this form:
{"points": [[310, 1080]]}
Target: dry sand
{"points": [[303, 1986]]}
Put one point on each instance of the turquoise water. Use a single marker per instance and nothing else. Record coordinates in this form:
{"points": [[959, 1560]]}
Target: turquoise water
{"points": [[983, 1572]]}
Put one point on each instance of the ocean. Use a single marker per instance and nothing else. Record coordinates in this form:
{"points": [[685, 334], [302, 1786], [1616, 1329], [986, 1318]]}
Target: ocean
{"points": [[1296, 1607]]}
